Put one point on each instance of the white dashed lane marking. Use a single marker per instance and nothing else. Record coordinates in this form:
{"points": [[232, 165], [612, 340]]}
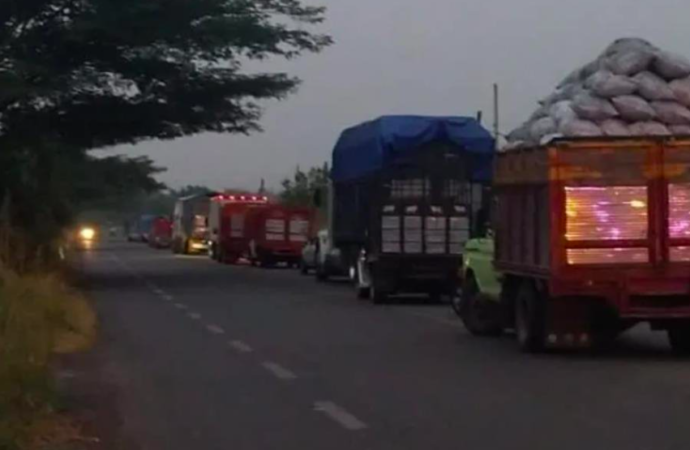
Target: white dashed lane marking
{"points": [[215, 329], [339, 415], [180, 306], [240, 346], [279, 371], [167, 298], [194, 316]]}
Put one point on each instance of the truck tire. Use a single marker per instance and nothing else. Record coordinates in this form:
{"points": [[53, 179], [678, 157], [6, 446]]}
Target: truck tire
{"points": [[530, 319], [679, 338], [480, 316]]}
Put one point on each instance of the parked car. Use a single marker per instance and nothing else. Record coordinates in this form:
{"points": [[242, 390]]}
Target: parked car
{"points": [[309, 256], [328, 260]]}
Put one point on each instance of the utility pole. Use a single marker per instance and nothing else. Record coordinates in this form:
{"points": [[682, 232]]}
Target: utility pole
{"points": [[496, 115]]}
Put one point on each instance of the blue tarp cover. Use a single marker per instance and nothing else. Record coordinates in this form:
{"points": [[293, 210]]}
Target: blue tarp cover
{"points": [[372, 146]]}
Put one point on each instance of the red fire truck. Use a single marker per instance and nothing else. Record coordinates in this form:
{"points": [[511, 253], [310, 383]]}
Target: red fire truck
{"points": [[277, 234]]}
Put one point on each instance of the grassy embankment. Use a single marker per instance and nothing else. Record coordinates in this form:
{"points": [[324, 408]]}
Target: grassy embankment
{"points": [[40, 317]]}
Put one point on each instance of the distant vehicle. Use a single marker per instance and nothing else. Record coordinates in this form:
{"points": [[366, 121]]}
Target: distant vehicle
{"points": [[161, 233], [327, 261], [309, 255], [591, 238], [229, 239], [277, 234], [404, 190], [141, 230], [190, 224]]}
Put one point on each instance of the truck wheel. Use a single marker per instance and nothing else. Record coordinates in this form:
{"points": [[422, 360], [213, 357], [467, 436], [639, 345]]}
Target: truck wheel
{"points": [[679, 338], [481, 317], [530, 319], [303, 269]]}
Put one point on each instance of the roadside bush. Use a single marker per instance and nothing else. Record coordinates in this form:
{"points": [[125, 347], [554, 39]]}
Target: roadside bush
{"points": [[39, 317]]}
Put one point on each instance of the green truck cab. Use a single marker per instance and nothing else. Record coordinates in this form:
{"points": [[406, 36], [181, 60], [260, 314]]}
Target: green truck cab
{"points": [[478, 301]]}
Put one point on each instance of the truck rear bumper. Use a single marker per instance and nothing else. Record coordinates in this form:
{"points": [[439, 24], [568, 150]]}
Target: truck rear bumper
{"points": [[416, 275], [640, 298]]}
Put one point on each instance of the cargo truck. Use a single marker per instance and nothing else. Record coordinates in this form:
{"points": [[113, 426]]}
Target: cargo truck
{"points": [[592, 236], [190, 224], [277, 234], [141, 230], [404, 190], [229, 239]]}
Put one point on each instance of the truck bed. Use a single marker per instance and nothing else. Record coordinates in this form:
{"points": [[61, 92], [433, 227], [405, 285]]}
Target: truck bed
{"points": [[607, 216]]}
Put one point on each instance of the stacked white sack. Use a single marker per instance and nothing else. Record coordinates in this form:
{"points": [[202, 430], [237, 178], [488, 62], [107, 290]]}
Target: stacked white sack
{"points": [[633, 88]]}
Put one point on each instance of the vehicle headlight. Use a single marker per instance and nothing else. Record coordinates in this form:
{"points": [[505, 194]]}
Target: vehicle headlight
{"points": [[87, 234]]}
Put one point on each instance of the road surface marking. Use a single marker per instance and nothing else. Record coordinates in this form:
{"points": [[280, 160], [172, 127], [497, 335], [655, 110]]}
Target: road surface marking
{"points": [[167, 297], [180, 306], [215, 329], [340, 415], [278, 370], [240, 346], [194, 316]]}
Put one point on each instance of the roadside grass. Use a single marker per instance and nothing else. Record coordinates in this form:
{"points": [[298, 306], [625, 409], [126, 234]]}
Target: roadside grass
{"points": [[40, 316]]}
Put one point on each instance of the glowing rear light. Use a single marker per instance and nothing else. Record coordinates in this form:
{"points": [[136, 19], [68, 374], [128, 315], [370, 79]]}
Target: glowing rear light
{"points": [[679, 254], [679, 211], [606, 213], [604, 256]]}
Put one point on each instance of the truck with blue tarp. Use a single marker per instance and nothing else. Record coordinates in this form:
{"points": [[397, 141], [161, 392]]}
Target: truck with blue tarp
{"points": [[405, 191]]}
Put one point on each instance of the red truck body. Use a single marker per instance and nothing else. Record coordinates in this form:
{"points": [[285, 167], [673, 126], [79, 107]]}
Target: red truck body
{"points": [[278, 233], [161, 233], [228, 222], [597, 224]]}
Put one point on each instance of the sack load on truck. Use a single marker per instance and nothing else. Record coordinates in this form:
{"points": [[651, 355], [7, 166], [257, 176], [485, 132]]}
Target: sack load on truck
{"points": [[632, 89]]}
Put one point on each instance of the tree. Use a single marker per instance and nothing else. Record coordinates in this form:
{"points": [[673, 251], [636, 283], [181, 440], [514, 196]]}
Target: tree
{"points": [[76, 75], [300, 190], [94, 73]]}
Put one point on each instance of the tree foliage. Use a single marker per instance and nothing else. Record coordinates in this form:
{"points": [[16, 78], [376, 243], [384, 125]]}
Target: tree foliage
{"points": [[77, 75], [94, 73], [300, 190]]}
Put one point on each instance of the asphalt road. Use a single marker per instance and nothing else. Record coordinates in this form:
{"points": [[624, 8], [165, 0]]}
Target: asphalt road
{"points": [[206, 356]]}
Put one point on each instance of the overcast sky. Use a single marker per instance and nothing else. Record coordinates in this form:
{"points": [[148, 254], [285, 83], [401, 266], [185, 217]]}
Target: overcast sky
{"points": [[437, 57]]}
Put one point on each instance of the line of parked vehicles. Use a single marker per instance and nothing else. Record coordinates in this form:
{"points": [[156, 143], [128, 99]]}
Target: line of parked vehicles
{"points": [[568, 244]]}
